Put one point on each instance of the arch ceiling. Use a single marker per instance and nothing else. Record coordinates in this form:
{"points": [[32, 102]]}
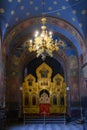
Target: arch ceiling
{"points": [[64, 17]]}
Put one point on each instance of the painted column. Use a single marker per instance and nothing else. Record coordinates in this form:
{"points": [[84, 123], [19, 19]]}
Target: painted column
{"points": [[84, 81], [2, 87], [68, 90]]}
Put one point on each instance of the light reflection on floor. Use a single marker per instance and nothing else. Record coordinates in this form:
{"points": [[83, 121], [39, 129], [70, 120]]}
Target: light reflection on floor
{"points": [[48, 127]]}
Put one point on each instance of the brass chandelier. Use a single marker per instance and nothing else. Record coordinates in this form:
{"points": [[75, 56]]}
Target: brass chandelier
{"points": [[43, 44]]}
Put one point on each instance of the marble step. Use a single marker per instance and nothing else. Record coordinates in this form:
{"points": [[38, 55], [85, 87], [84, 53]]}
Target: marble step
{"points": [[31, 120]]}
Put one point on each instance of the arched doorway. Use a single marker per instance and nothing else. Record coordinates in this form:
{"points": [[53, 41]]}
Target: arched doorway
{"points": [[44, 102]]}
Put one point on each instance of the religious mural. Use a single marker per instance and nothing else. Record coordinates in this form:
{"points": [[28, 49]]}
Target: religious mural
{"points": [[73, 77]]}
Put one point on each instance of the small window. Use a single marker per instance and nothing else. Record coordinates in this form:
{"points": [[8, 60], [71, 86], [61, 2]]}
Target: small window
{"points": [[26, 101], [62, 100], [54, 100], [30, 82], [58, 81], [34, 100]]}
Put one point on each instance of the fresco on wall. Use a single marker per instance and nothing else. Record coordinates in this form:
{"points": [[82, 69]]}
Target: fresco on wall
{"points": [[15, 60], [13, 82], [83, 86], [73, 64], [13, 63], [74, 91], [73, 77]]}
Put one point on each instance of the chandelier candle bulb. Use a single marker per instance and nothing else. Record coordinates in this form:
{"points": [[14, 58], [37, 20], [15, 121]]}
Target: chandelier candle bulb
{"points": [[50, 33], [36, 33], [31, 42]]}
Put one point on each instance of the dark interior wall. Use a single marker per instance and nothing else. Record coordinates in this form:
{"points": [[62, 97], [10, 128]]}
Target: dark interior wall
{"points": [[53, 63], [84, 103]]}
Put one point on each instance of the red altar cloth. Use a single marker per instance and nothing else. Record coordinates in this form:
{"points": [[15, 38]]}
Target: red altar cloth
{"points": [[44, 109]]}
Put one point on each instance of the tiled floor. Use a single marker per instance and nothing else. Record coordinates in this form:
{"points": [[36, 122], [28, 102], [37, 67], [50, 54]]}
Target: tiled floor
{"points": [[71, 126]]}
